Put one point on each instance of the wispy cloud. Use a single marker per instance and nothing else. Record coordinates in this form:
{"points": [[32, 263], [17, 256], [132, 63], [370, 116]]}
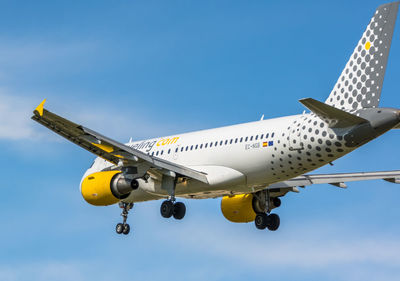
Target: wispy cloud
{"points": [[115, 121], [15, 117], [321, 249]]}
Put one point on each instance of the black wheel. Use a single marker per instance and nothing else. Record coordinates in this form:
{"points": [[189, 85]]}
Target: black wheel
{"points": [[273, 222], [119, 228], [261, 221], [276, 201], [179, 210], [126, 230], [166, 209]]}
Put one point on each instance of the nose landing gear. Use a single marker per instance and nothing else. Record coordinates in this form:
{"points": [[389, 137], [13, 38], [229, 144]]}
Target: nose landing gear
{"points": [[124, 228]]}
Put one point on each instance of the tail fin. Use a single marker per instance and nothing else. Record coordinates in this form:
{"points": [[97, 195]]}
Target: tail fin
{"points": [[360, 84]]}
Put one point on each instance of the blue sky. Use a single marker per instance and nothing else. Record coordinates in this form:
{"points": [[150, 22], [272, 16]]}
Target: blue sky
{"points": [[144, 69]]}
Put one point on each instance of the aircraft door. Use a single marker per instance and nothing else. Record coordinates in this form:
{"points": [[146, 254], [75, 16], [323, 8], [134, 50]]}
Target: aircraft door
{"points": [[176, 152], [295, 134]]}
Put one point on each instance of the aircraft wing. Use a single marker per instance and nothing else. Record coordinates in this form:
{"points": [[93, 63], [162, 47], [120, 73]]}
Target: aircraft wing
{"points": [[111, 150], [338, 180]]}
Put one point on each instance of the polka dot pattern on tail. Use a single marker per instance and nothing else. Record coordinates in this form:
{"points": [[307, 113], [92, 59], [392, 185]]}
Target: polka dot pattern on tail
{"points": [[360, 84]]}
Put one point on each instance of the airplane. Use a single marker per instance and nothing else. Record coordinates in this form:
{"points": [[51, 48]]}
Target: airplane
{"points": [[251, 165]]}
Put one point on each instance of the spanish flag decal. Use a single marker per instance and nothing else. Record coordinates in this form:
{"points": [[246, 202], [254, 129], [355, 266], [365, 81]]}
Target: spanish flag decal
{"points": [[268, 143]]}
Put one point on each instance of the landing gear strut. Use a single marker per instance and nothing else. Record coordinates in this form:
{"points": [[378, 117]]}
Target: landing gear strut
{"points": [[124, 227], [264, 219]]}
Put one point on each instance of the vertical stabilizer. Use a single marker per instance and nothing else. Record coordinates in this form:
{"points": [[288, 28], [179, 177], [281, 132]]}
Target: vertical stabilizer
{"points": [[360, 84]]}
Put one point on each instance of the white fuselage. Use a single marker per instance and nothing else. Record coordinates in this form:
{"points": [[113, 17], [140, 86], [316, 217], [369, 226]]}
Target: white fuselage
{"points": [[241, 158]]}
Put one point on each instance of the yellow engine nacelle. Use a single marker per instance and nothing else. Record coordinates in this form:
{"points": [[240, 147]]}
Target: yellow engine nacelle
{"points": [[107, 188], [238, 208]]}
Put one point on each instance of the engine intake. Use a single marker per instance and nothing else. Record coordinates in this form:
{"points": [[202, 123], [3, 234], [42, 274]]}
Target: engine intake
{"points": [[107, 188]]}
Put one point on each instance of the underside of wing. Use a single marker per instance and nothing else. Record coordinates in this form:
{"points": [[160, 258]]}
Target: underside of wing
{"points": [[338, 180], [111, 150]]}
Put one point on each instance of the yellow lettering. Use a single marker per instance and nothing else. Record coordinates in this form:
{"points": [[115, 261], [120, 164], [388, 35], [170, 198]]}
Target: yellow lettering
{"points": [[167, 141]]}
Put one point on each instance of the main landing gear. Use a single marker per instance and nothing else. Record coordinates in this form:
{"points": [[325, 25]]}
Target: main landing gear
{"points": [[264, 219], [171, 208], [270, 221], [124, 228]]}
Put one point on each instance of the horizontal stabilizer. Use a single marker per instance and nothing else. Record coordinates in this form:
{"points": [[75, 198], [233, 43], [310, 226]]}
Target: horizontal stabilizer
{"points": [[336, 118]]}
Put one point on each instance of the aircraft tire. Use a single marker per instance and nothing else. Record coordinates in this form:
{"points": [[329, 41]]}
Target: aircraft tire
{"points": [[261, 221], [166, 209], [273, 222], [119, 228], [126, 229], [179, 210]]}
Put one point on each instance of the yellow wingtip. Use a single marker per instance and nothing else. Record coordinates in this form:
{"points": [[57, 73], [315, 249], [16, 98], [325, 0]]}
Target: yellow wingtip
{"points": [[39, 109]]}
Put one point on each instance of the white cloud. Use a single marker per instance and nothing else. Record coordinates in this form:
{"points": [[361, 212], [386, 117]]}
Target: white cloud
{"points": [[118, 122], [15, 119], [41, 271], [322, 250]]}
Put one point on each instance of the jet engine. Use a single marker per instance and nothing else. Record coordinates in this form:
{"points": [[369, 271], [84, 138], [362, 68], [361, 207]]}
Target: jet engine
{"points": [[238, 208], [107, 188]]}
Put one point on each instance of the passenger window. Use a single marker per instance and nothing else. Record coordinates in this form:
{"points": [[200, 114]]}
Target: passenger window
{"points": [[181, 149], [221, 142], [226, 142], [205, 146], [231, 141], [236, 140], [191, 148], [246, 138], [266, 136], [196, 146], [176, 150], [187, 147], [261, 137], [241, 139], [251, 138], [272, 135], [152, 154], [157, 153], [162, 151], [216, 143], [211, 144], [201, 146], [256, 137]]}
